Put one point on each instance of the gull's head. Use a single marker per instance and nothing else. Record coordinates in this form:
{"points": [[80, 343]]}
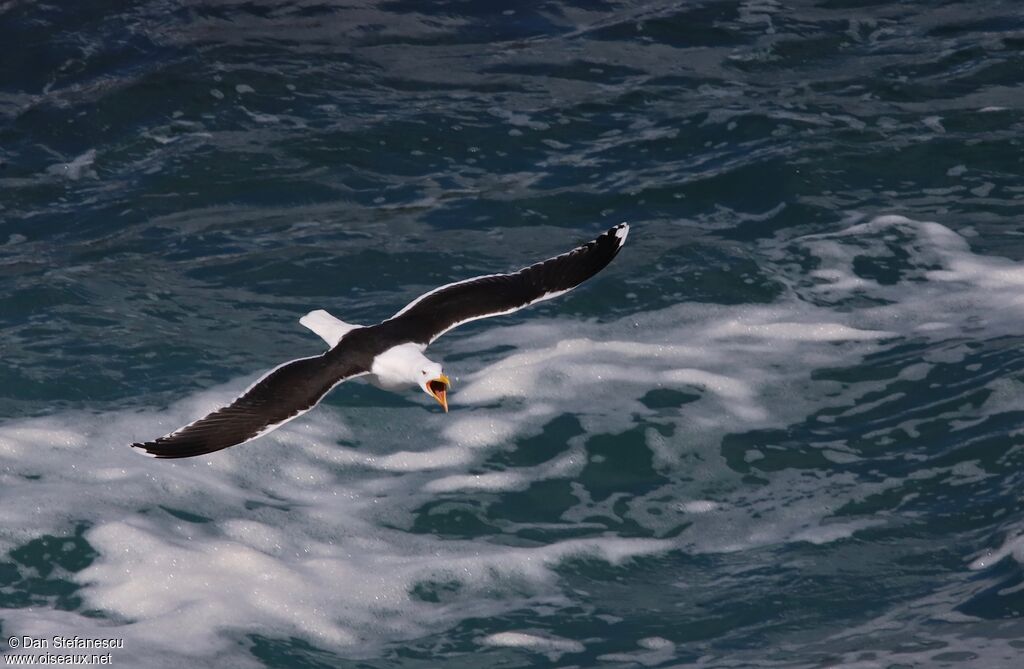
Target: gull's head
{"points": [[435, 383]]}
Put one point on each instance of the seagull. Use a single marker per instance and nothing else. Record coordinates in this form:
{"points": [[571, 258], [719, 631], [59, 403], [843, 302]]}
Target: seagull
{"points": [[390, 353]]}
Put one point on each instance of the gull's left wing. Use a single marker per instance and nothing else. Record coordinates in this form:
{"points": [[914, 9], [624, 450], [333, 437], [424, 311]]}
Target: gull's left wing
{"points": [[432, 314]]}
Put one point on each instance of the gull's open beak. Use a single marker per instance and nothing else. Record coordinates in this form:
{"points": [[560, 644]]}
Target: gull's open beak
{"points": [[438, 389]]}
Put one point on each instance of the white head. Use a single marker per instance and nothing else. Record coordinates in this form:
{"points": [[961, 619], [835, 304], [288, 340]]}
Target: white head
{"points": [[434, 383], [405, 363]]}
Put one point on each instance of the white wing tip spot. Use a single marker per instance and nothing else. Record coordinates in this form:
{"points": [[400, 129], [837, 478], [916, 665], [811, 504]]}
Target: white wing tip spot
{"points": [[621, 231]]}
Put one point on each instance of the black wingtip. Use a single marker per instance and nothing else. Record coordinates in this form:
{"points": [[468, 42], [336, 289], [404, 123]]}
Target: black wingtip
{"points": [[149, 449], [621, 231], [618, 233], [166, 451]]}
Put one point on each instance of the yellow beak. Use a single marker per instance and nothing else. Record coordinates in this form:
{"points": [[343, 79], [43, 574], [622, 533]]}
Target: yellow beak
{"points": [[438, 389]]}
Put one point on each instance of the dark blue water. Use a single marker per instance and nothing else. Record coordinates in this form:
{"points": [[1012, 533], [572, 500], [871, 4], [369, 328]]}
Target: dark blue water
{"points": [[782, 429]]}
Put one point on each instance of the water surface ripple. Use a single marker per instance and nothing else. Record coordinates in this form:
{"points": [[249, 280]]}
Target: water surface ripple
{"points": [[783, 429]]}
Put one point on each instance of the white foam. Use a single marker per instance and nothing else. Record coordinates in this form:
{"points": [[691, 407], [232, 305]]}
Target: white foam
{"points": [[798, 331], [1012, 546], [492, 481], [699, 506], [654, 651], [437, 458], [552, 646], [305, 532], [825, 534], [256, 567], [563, 467], [78, 167], [479, 431]]}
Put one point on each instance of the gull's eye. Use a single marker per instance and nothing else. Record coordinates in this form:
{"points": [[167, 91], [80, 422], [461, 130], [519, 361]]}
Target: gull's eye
{"points": [[423, 372]]}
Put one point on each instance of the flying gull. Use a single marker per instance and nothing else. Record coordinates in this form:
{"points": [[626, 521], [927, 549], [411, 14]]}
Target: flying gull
{"points": [[390, 353]]}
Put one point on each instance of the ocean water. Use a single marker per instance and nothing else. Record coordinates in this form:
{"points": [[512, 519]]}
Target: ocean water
{"points": [[784, 428]]}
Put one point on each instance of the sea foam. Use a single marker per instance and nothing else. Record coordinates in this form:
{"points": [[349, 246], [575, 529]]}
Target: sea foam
{"points": [[307, 532]]}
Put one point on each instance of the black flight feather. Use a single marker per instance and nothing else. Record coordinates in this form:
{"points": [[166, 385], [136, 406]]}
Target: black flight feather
{"points": [[295, 387]]}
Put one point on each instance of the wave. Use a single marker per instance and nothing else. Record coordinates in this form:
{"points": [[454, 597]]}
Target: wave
{"points": [[692, 430]]}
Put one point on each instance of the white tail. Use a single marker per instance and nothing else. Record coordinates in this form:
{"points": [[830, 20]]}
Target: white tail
{"points": [[330, 329]]}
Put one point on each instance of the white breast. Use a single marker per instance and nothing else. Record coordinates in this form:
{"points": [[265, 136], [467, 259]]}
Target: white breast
{"points": [[399, 366]]}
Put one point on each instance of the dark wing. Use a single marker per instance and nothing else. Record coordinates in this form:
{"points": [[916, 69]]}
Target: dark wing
{"points": [[430, 315], [284, 393]]}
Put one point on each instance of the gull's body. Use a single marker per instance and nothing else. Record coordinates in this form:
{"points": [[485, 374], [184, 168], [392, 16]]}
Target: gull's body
{"points": [[390, 354]]}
